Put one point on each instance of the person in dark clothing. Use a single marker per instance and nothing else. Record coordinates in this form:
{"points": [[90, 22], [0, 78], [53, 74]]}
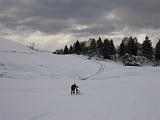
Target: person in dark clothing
{"points": [[74, 89]]}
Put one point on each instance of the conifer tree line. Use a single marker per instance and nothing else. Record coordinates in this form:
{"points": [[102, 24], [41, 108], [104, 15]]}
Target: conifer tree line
{"points": [[106, 49]]}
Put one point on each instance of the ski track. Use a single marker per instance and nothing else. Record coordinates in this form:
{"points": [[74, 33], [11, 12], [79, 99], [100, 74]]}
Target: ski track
{"points": [[100, 70]]}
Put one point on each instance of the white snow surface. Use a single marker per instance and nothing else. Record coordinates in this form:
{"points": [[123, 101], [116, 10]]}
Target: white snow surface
{"points": [[36, 86]]}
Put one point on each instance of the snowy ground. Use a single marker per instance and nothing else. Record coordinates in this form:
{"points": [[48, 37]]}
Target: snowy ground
{"points": [[36, 86]]}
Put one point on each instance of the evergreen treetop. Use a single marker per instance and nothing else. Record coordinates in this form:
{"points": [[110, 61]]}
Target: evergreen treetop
{"points": [[157, 51], [147, 50], [66, 51]]}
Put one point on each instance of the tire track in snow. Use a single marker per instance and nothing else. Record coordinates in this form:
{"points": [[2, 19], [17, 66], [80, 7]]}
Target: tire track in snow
{"points": [[100, 70]]}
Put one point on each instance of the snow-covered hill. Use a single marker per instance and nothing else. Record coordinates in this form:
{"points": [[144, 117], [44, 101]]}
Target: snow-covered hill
{"points": [[10, 46], [36, 86]]}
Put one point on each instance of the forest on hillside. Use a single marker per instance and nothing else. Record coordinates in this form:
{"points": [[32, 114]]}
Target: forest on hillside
{"points": [[130, 52]]}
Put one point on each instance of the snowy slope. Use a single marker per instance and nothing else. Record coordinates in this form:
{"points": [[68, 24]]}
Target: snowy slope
{"points": [[36, 86], [9, 46]]}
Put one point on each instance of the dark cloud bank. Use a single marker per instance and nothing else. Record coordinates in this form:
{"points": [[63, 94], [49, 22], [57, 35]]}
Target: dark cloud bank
{"points": [[79, 18]]}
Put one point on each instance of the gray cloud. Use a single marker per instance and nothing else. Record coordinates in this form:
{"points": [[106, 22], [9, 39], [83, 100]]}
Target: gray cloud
{"points": [[81, 18]]}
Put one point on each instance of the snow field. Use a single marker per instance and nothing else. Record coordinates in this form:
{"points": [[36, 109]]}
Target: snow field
{"points": [[36, 86]]}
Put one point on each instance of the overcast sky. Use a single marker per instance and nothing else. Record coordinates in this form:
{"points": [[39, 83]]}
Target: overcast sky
{"points": [[53, 23]]}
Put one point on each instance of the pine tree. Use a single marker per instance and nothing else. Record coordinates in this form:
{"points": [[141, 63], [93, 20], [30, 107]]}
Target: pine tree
{"points": [[112, 48], [82, 44], [132, 47], [147, 49], [77, 47], [99, 46], [93, 46], [66, 51], [106, 50], [122, 49], [71, 49], [157, 51]]}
